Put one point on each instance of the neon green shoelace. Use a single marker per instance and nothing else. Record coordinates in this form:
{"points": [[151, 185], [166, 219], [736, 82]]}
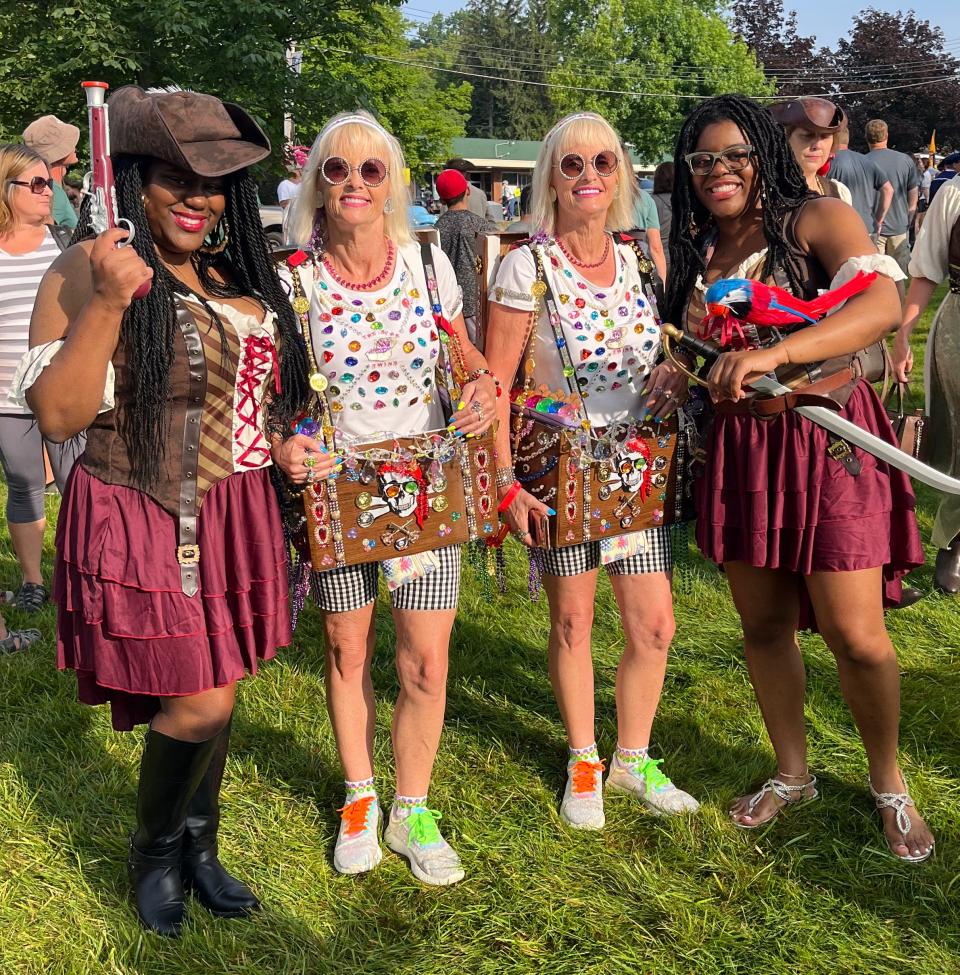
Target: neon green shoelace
{"points": [[423, 826], [649, 769]]}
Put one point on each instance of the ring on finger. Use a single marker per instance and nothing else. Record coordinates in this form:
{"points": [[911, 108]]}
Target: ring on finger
{"points": [[311, 473], [658, 391], [309, 462]]}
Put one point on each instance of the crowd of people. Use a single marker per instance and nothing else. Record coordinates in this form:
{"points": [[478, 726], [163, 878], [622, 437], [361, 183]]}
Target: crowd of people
{"points": [[204, 408]]}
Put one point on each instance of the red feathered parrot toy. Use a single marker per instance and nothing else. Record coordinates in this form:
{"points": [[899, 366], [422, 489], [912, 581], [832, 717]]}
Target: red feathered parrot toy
{"points": [[733, 301]]}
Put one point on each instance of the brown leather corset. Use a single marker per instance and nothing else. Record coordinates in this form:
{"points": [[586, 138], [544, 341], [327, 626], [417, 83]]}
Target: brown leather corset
{"points": [[198, 447], [869, 364]]}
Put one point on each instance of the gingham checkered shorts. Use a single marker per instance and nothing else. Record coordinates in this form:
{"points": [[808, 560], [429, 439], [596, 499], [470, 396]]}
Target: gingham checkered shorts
{"points": [[577, 559], [352, 586]]}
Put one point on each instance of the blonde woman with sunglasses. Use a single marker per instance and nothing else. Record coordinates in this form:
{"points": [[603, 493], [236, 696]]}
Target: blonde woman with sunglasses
{"points": [[376, 346], [28, 246], [583, 193]]}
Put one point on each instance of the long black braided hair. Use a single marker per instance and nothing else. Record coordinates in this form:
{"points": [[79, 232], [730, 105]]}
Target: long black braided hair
{"points": [[782, 188], [150, 328]]}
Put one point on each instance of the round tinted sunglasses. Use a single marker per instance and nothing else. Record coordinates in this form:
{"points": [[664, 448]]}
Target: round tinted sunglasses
{"points": [[604, 164], [336, 170], [37, 184], [734, 158]]}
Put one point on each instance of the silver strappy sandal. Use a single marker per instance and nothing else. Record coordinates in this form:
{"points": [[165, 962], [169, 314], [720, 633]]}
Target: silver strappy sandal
{"points": [[899, 801], [791, 795]]}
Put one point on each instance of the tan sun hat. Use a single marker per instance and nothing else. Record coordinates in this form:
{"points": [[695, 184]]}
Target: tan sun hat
{"points": [[51, 138]]}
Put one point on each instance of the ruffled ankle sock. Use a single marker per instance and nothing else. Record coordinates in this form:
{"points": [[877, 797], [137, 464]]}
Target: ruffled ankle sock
{"points": [[358, 790], [631, 756], [404, 805], [588, 754]]}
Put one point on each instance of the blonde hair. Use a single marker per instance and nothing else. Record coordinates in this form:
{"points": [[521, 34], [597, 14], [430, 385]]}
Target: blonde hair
{"points": [[354, 135], [876, 131], [15, 160], [570, 131]]}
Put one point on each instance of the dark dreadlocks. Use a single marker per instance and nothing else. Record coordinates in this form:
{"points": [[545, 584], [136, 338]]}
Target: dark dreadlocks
{"points": [[782, 189], [150, 328]]}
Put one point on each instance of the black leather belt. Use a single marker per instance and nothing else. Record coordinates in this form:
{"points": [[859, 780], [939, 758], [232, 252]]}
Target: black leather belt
{"points": [[188, 548]]}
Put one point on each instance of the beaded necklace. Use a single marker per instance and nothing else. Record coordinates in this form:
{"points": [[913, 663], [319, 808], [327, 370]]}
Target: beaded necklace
{"points": [[576, 262], [366, 285]]}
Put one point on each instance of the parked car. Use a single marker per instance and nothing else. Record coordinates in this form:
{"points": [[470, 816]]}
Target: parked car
{"points": [[420, 217], [272, 219]]}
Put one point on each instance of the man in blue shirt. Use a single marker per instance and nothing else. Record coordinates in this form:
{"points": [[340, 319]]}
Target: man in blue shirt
{"points": [[902, 173], [56, 142], [646, 218], [870, 190]]}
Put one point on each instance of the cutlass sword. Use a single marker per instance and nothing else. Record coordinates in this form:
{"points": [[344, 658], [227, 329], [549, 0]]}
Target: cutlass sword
{"points": [[831, 421]]}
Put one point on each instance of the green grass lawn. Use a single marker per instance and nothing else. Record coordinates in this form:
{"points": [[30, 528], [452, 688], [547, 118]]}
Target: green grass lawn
{"points": [[812, 893]]}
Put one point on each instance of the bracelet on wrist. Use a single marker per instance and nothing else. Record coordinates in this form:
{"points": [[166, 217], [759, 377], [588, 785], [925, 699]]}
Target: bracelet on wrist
{"points": [[515, 489], [505, 477], [477, 373]]}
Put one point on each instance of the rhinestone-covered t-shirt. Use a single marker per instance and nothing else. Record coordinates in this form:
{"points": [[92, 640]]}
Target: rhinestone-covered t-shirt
{"points": [[610, 331]]}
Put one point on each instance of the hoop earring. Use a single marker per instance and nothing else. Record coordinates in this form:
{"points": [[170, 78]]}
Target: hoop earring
{"points": [[388, 206], [218, 245]]}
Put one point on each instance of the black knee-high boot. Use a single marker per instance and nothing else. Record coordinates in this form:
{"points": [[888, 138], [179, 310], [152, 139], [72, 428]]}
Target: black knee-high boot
{"points": [[203, 873], [170, 772]]}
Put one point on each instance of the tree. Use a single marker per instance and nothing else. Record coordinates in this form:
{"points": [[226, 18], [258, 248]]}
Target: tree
{"points": [[403, 96], [233, 48], [506, 39], [886, 50], [647, 61], [772, 34]]}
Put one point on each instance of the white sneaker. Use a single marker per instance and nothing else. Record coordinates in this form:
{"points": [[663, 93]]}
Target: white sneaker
{"points": [[358, 842], [582, 805], [416, 836], [654, 789]]}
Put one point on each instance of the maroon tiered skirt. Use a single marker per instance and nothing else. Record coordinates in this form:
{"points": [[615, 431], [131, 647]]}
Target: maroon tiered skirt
{"points": [[771, 497], [123, 623]]}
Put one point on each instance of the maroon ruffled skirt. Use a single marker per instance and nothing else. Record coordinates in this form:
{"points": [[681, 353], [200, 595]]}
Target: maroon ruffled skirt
{"points": [[123, 623], [771, 497]]}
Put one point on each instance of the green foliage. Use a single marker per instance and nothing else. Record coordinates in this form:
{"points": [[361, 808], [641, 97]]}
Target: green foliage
{"points": [[233, 48], [423, 115], [509, 39], [812, 893], [645, 48]]}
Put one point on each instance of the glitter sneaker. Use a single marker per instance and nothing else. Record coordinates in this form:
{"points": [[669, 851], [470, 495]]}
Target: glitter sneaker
{"points": [[582, 806], [654, 789], [417, 837], [358, 842]]}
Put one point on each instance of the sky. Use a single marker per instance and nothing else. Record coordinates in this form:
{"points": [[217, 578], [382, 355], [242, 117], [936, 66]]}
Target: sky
{"points": [[824, 19]]}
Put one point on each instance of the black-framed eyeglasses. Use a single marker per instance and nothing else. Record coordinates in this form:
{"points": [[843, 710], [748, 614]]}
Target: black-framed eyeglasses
{"points": [[336, 170], [37, 184], [604, 164], [734, 158]]}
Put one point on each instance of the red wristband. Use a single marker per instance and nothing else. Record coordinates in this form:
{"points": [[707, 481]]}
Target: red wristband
{"points": [[515, 489]]}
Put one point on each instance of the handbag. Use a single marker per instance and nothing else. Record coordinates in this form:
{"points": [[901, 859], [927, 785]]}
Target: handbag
{"points": [[911, 427], [602, 481], [397, 496]]}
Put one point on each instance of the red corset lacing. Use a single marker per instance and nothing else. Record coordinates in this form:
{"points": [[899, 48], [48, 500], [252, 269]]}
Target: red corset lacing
{"points": [[259, 355]]}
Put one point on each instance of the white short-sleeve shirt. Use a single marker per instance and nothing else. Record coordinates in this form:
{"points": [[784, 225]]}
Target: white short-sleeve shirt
{"points": [[379, 350], [610, 331], [930, 253]]}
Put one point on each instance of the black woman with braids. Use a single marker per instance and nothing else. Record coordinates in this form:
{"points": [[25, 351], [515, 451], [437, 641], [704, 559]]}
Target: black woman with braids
{"points": [[170, 576], [808, 539]]}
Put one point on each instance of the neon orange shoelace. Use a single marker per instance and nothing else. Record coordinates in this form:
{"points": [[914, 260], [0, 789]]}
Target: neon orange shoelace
{"points": [[355, 813], [582, 774]]}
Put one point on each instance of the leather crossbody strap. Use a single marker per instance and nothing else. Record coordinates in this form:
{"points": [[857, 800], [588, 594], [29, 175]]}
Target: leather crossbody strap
{"points": [[188, 549]]}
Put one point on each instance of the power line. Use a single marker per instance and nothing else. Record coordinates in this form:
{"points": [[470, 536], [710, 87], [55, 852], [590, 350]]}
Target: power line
{"points": [[604, 91]]}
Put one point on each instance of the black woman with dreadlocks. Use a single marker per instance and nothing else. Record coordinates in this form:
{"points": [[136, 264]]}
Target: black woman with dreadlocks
{"points": [[170, 576], [807, 539]]}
